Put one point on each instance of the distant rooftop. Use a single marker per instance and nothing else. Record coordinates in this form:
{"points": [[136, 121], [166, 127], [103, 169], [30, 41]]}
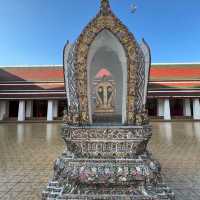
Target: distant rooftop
{"points": [[33, 73], [166, 79], [159, 72]]}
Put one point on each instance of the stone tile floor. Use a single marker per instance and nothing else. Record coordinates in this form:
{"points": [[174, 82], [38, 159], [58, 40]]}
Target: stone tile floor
{"points": [[27, 152]]}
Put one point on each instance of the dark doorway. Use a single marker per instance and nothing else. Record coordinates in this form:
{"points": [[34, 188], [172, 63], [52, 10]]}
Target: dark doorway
{"points": [[39, 108], [191, 107], [151, 106], [61, 106], [13, 109], [176, 107]]}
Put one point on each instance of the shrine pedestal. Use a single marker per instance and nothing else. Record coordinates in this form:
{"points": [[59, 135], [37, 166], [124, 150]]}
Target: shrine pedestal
{"points": [[107, 163]]}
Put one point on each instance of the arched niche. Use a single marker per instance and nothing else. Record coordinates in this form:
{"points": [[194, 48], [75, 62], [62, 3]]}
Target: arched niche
{"points": [[106, 23], [107, 52]]}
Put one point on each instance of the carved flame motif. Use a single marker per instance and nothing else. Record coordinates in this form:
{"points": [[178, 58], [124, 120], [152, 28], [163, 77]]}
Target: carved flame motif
{"points": [[105, 6]]}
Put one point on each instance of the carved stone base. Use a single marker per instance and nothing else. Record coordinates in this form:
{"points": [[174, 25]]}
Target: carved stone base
{"points": [[107, 179], [107, 163]]}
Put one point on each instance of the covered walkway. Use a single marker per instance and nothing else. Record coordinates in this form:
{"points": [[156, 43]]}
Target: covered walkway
{"points": [[38, 92]]}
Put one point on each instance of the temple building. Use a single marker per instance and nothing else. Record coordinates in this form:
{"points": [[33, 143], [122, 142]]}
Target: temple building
{"points": [[38, 92]]}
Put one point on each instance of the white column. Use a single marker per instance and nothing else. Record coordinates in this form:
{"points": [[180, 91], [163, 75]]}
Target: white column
{"points": [[1, 110], [4, 109], [50, 110], [55, 109], [196, 109], [21, 111], [160, 108], [29, 109], [167, 112], [186, 108]]}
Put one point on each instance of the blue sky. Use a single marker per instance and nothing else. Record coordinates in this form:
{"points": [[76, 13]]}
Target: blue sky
{"points": [[35, 31]]}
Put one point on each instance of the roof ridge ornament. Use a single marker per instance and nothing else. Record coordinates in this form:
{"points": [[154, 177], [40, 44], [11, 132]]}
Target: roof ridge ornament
{"points": [[105, 7]]}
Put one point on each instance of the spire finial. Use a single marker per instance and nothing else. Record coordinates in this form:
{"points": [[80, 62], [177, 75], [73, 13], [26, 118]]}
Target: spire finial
{"points": [[105, 5]]}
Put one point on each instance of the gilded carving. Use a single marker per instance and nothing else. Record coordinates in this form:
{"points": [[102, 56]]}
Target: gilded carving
{"points": [[83, 102], [106, 21]]}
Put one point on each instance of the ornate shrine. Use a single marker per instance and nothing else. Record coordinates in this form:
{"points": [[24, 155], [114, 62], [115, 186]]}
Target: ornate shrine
{"points": [[106, 160]]}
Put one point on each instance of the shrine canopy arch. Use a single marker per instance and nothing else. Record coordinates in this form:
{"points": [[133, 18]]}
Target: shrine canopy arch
{"points": [[106, 34], [107, 52]]}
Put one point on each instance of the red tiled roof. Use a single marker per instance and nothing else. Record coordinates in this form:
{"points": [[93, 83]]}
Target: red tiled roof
{"points": [[174, 79], [32, 82], [162, 72], [32, 74], [175, 72], [35, 82]]}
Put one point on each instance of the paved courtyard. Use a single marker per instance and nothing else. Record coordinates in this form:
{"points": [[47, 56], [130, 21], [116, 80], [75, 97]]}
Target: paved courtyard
{"points": [[27, 152]]}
